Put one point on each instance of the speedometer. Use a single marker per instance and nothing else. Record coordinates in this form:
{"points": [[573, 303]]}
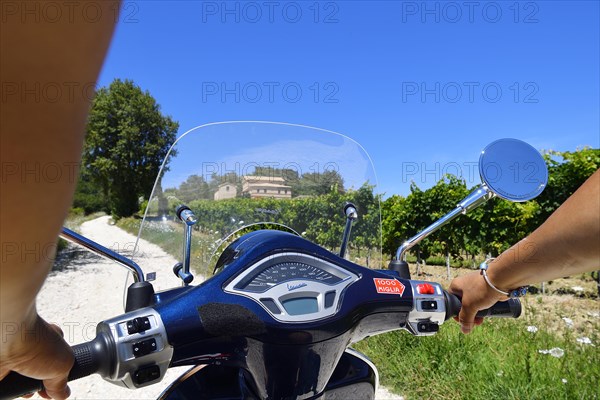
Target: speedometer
{"points": [[288, 271], [294, 287]]}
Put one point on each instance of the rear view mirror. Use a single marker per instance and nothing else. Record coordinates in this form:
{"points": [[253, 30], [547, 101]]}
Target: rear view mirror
{"points": [[513, 170], [509, 168]]}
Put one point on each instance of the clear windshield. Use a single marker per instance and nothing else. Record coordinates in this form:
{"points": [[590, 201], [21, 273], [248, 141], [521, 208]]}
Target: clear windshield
{"points": [[242, 176]]}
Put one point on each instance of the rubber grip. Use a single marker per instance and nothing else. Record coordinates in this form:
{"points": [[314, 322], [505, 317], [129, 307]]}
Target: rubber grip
{"points": [[90, 357], [510, 308]]}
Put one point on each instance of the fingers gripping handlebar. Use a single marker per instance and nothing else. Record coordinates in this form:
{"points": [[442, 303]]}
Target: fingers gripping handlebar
{"points": [[131, 350], [432, 305], [90, 357], [502, 309]]}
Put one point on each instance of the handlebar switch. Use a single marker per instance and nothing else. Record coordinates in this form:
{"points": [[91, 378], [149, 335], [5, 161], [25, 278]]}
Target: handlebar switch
{"points": [[427, 305], [139, 324], [144, 347], [427, 327], [429, 308], [146, 374], [141, 358]]}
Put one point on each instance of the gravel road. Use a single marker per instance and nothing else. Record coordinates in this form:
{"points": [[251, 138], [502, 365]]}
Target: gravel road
{"points": [[89, 289]]}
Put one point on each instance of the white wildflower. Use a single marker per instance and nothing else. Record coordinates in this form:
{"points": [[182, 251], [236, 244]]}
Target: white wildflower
{"points": [[563, 380], [557, 352], [554, 352], [532, 329], [500, 373], [584, 340], [577, 288], [568, 321]]}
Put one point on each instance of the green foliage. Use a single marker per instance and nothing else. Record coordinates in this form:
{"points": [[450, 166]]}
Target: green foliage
{"points": [[567, 171], [88, 196], [194, 187], [396, 222], [318, 218], [127, 140]]}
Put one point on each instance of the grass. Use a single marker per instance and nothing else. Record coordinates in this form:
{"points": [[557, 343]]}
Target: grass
{"points": [[500, 359]]}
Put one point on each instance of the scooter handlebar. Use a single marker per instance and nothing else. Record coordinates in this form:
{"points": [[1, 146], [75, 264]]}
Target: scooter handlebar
{"points": [[510, 308], [90, 357]]}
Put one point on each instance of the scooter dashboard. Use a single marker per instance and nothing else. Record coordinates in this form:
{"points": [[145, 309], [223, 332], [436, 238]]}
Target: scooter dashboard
{"points": [[294, 287]]}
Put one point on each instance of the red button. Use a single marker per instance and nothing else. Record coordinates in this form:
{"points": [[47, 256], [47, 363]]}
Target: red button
{"points": [[425, 288]]}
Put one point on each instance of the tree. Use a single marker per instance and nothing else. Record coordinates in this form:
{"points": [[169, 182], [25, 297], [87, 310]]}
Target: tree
{"points": [[317, 184], [429, 205], [127, 139], [87, 195], [396, 223], [566, 172], [194, 188]]}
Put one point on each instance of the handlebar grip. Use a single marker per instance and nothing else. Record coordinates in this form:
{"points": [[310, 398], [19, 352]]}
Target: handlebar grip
{"points": [[90, 357], [510, 308]]}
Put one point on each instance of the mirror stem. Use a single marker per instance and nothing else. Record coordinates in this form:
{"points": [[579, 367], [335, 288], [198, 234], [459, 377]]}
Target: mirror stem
{"points": [[480, 195], [74, 237], [351, 215], [189, 219]]}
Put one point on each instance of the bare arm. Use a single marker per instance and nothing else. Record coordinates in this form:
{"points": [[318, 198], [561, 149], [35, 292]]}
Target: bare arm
{"points": [[567, 243], [48, 69]]}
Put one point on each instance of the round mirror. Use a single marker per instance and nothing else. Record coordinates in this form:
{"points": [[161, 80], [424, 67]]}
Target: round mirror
{"points": [[513, 170]]}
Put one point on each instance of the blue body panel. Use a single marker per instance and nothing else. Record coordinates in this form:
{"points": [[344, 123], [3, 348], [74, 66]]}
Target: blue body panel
{"points": [[285, 360]]}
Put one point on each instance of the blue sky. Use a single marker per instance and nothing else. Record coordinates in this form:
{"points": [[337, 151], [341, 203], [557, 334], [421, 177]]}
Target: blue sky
{"points": [[420, 85]]}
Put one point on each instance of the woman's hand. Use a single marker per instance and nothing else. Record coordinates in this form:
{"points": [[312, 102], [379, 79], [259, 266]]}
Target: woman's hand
{"points": [[475, 295], [37, 350]]}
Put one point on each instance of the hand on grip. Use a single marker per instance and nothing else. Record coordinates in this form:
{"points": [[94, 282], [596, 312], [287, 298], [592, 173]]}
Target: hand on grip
{"points": [[510, 308], [90, 357]]}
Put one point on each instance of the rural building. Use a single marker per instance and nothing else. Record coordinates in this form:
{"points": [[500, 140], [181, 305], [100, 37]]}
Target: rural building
{"points": [[265, 186], [226, 191]]}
